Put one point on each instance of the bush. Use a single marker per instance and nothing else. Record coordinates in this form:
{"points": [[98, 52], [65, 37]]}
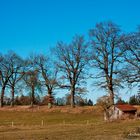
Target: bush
{"points": [[25, 100], [47, 99], [134, 100], [90, 103]]}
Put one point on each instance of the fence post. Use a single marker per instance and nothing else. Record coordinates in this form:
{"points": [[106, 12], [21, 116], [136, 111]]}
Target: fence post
{"points": [[12, 124], [87, 122], [42, 122]]}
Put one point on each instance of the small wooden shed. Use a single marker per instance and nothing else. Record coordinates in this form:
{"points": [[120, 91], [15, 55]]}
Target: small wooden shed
{"points": [[121, 111]]}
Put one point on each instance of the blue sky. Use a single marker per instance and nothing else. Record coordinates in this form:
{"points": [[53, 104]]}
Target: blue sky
{"points": [[36, 25]]}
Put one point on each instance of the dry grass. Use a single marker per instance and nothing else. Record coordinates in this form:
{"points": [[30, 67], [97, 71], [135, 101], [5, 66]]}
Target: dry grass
{"points": [[64, 109], [60, 123]]}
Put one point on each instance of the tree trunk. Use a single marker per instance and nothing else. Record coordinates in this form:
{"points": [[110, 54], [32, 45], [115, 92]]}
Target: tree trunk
{"points": [[110, 87], [13, 95], [111, 92], [106, 115], [50, 99], [2, 96], [112, 98], [72, 96], [32, 97], [32, 103]]}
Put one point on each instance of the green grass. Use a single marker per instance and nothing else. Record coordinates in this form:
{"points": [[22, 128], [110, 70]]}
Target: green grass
{"points": [[61, 126], [35, 118]]}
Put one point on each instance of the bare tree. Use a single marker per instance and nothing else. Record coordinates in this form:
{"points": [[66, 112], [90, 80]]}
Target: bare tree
{"points": [[106, 42], [131, 72], [71, 61], [49, 75], [16, 66], [31, 78], [5, 74]]}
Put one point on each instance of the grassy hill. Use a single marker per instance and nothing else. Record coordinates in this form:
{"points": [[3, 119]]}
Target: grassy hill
{"points": [[61, 123]]}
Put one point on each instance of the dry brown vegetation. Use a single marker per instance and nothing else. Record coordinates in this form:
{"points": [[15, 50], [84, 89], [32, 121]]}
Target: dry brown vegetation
{"points": [[62, 109]]}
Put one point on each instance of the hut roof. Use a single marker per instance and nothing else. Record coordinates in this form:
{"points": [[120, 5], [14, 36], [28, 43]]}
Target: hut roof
{"points": [[126, 107]]}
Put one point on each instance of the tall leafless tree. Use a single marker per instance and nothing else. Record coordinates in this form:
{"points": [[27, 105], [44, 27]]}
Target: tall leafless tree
{"points": [[16, 66], [71, 61], [31, 78], [31, 81], [131, 73], [106, 43], [5, 74], [49, 75]]}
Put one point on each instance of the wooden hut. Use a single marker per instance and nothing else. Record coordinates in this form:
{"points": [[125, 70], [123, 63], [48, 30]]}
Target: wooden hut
{"points": [[122, 111]]}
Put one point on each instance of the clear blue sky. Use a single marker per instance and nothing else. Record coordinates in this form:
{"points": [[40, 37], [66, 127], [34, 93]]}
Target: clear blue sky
{"points": [[35, 25]]}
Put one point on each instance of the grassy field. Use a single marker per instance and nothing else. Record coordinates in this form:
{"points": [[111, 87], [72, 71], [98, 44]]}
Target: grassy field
{"points": [[61, 124]]}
